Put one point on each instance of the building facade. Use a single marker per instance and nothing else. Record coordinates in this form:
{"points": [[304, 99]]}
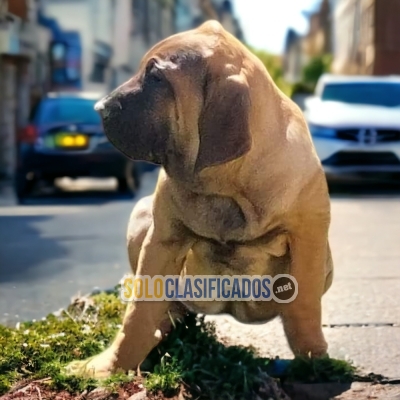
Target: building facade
{"points": [[115, 35], [64, 54], [23, 60], [225, 14], [92, 45], [295, 57], [367, 37], [300, 49], [153, 20], [189, 14], [93, 21]]}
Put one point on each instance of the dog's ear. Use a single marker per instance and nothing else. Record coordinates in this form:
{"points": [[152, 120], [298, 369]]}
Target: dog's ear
{"points": [[224, 123]]}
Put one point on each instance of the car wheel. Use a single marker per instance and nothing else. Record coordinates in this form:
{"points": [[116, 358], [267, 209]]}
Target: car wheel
{"points": [[130, 181], [24, 185]]}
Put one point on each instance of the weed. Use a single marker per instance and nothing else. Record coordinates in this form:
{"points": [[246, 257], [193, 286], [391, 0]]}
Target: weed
{"points": [[166, 376]]}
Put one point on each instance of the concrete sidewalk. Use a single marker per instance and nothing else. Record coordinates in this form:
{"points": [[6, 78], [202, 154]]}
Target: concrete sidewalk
{"points": [[361, 311]]}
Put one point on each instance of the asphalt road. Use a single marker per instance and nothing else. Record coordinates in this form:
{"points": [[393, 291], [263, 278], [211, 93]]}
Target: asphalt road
{"points": [[70, 242], [63, 244]]}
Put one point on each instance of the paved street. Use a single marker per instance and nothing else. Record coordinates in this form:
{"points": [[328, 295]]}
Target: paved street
{"points": [[61, 244], [57, 246]]}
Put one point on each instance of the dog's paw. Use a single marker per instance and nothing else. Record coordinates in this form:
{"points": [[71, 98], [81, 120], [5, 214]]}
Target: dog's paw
{"points": [[99, 367], [313, 349]]}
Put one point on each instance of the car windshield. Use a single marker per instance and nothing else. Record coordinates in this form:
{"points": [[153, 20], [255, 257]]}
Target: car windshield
{"points": [[376, 94], [68, 110]]}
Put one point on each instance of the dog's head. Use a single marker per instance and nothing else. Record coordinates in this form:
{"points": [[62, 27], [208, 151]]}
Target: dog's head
{"points": [[188, 106]]}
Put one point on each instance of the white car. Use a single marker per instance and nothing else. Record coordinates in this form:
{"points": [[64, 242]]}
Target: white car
{"points": [[355, 124]]}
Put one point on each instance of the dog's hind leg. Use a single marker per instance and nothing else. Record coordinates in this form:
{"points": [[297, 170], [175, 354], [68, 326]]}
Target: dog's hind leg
{"points": [[139, 223]]}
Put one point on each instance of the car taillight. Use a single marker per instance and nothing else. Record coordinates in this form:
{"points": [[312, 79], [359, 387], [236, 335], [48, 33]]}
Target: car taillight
{"points": [[29, 134]]}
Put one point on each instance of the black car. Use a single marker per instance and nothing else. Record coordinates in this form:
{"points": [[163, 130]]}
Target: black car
{"points": [[65, 138]]}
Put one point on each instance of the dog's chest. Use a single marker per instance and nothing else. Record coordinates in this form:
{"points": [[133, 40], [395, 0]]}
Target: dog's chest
{"points": [[214, 217]]}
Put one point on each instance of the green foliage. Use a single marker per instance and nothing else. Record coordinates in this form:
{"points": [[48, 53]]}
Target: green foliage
{"points": [[191, 355], [273, 64], [317, 370], [303, 88], [115, 381], [166, 376], [39, 349], [315, 68]]}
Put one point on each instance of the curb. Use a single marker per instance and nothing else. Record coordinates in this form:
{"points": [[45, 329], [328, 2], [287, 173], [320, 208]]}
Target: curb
{"points": [[342, 391]]}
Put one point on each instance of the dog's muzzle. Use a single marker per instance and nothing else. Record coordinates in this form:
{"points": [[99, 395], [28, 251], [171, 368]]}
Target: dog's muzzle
{"points": [[123, 125], [108, 107]]}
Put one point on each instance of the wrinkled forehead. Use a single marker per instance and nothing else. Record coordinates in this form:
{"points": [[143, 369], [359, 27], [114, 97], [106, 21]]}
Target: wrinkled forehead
{"points": [[184, 49]]}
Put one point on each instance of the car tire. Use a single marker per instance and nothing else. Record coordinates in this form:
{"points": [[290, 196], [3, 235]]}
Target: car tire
{"points": [[23, 185], [129, 183]]}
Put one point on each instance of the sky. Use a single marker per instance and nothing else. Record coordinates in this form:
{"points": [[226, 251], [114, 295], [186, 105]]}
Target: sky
{"points": [[265, 22]]}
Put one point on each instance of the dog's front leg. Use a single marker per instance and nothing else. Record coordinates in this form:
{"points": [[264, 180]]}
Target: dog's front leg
{"points": [[142, 326], [162, 253], [302, 317]]}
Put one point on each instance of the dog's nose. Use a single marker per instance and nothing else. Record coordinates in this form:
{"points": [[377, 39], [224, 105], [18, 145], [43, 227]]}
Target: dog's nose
{"points": [[107, 106], [100, 105]]}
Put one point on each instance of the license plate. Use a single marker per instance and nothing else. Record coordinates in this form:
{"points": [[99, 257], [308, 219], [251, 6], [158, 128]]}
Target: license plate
{"points": [[71, 141]]}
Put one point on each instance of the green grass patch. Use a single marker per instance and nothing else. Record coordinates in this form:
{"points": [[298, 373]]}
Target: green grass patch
{"points": [[320, 370], [40, 349], [193, 355], [190, 356]]}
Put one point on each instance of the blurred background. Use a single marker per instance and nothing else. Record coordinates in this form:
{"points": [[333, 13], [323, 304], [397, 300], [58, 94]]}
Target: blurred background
{"points": [[57, 57], [66, 193]]}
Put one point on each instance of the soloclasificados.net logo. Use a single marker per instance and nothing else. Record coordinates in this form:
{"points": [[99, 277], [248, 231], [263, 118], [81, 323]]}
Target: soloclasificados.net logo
{"points": [[281, 288]]}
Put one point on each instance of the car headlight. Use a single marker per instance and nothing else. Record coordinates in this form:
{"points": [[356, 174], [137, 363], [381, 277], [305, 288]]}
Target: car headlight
{"points": [[321, 131]]}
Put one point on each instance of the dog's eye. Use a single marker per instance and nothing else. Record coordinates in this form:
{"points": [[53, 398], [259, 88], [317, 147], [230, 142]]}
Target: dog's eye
{"points": [[153, 73], [154, 76]]}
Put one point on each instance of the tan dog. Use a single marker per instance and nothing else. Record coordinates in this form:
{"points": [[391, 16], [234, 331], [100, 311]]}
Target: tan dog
{"points": [[241, 190]]}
